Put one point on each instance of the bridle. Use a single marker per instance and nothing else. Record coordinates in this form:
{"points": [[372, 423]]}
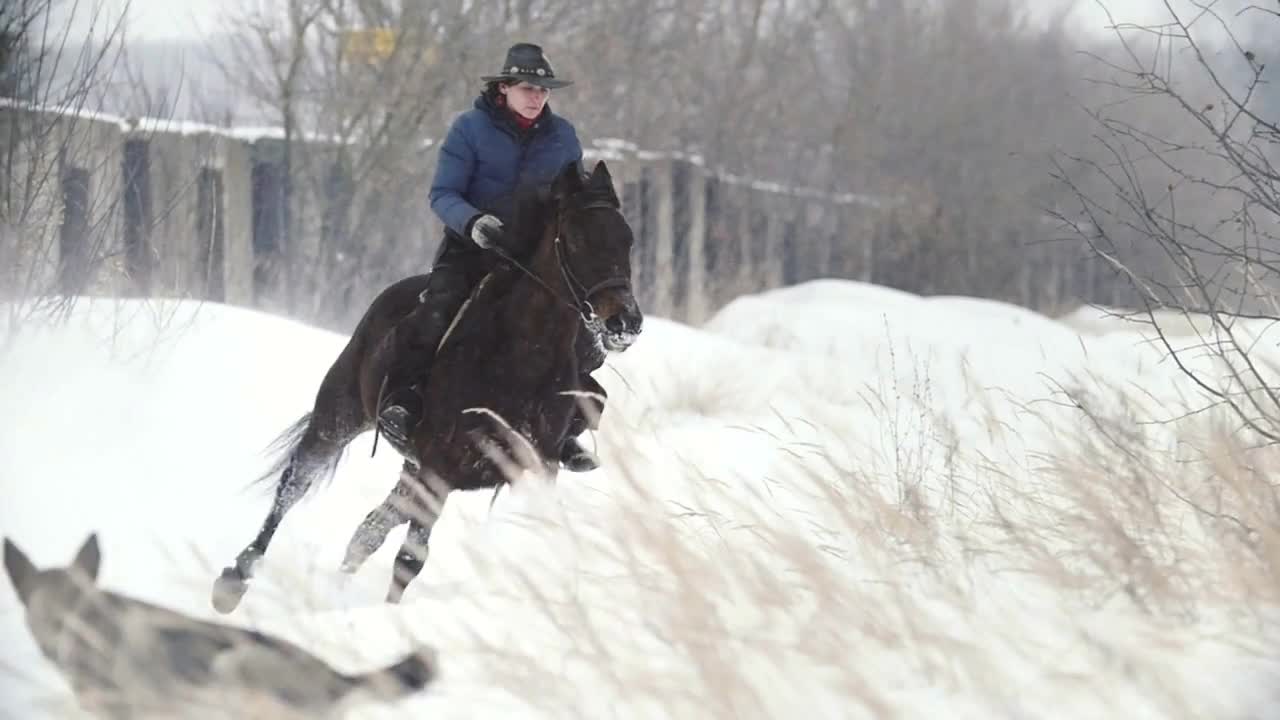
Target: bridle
{"points": [[580, 295]]}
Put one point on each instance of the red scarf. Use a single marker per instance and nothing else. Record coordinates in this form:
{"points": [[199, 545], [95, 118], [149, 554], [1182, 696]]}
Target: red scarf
{"points": [[521, 121]]}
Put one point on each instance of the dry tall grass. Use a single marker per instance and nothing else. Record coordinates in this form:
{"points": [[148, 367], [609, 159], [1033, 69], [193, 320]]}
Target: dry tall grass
{"points": [[784, 531]]}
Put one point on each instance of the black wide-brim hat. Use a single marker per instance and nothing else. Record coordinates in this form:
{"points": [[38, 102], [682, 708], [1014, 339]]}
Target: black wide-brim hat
{"points": [[526, 62]]}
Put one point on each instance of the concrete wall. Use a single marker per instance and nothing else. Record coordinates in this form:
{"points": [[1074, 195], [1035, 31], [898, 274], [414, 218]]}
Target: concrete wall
{"points": [[30, 208], [197, 212], [198, 233], [60, 205]]}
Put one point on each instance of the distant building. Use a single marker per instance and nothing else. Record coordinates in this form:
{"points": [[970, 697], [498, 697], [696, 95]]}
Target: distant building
{"points": [[9, 64]]}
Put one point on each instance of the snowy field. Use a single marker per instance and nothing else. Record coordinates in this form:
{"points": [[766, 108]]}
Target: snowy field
{"points": [[832, 500]]}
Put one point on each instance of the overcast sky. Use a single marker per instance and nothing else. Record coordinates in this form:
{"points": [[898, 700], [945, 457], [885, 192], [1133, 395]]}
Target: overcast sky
{"points": [[190, 19], [147, 19]]}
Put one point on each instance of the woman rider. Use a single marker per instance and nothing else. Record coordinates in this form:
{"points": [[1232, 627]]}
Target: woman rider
{"points": [[509, 137]]}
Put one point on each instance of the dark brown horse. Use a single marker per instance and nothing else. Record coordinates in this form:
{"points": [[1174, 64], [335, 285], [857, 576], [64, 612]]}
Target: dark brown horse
{"points": [[505, 388]]}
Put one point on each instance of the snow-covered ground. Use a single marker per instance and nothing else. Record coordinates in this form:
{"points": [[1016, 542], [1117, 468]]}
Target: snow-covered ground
{"points": [[834, 500]]}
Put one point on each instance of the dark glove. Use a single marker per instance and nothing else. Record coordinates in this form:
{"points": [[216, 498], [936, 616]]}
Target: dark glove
{"points": [[486, 231]]}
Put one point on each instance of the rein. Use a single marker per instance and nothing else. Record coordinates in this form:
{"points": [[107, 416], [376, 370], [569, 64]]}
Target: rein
{"points": [[581, 301]]}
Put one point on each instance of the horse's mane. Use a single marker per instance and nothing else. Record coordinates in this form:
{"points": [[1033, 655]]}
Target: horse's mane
{"points": [[532, 208], [533, 205]]}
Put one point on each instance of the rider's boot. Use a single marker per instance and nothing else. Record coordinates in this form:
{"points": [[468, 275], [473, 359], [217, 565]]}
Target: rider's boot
{"points": [[414, 340], [401, 412], [573, 456]]}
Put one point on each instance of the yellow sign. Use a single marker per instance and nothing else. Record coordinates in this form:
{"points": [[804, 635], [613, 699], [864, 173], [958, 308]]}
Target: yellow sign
{"points": [[369, 44]]}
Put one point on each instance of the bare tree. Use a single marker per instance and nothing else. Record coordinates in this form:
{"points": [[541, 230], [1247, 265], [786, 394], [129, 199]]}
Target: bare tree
{"points": [[357, 89], [950, 110], [1181, 196], [54, 239], [76, 208]]}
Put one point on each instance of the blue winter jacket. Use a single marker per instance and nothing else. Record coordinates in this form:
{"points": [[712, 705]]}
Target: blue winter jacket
{"points": [[485, 156]]}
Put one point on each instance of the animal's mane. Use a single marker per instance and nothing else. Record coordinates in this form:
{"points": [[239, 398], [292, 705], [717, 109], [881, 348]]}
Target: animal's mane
{"points": [[533, 206], [592, 194]]}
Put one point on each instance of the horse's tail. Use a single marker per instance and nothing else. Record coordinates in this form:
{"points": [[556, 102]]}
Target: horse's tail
{"points": [[284, 451], [282, 448]]}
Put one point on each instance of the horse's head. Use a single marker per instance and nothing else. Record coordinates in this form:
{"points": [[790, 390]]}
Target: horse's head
{"points": [[593, 249]]}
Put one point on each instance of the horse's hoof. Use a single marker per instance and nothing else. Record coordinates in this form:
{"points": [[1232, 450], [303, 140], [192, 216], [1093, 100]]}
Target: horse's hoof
{"points": [[581, 462], [576, 458], [228, 589], [349, 566]]}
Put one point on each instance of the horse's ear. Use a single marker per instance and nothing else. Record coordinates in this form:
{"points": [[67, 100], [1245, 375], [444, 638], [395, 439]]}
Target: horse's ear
{"points": [[89, 557], [19, 568], [568, 182], [600, 176]]}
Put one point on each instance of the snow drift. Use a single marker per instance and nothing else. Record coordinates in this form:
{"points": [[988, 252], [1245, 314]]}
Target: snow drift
{"points": [[832, 499]]}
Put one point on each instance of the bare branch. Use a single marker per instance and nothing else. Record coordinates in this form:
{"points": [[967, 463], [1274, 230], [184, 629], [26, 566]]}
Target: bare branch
{"points": [[1192, 181]]}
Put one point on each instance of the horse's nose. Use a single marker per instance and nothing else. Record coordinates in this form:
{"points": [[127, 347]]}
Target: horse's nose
{"points": [[627, 323]]}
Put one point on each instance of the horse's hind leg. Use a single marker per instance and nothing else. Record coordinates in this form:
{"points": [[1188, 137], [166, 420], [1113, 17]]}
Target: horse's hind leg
{"points": [[321, 436], [317, 441], [310, 458]]}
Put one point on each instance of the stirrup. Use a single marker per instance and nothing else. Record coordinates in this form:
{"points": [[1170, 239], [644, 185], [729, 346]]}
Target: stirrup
{"points": [[395, 419], [393, 425]]}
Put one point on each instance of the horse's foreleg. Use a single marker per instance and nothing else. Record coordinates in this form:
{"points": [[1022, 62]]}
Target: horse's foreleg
{"points": [[429, 503], [391, 513]]}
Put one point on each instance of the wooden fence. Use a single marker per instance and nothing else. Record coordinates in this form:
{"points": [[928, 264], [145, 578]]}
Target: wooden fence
{"points": [[147, 208]]}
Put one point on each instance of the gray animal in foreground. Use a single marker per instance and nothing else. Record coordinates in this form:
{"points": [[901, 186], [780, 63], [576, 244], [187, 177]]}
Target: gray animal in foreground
{"points": [[128, 658]]}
